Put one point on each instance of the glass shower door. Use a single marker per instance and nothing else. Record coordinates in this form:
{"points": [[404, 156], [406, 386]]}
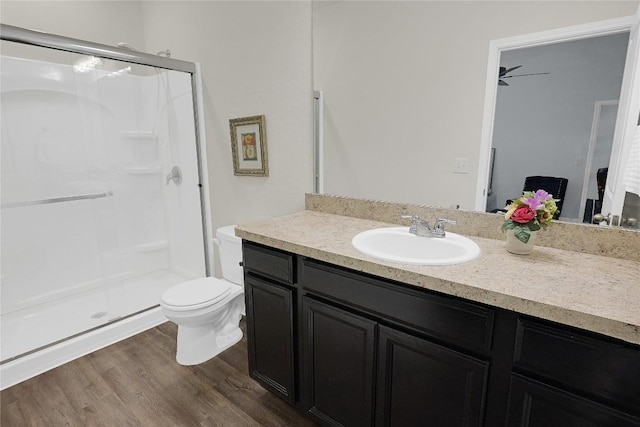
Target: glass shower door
{"points": [[92, 230], [154, 162]]}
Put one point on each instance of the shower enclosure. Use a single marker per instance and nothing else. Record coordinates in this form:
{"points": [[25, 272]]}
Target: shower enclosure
{"points": [[102, 195]]}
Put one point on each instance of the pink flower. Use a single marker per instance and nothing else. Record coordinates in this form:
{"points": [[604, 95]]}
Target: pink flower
{"points": [[543, 196], [523, 214], [534, 203]]}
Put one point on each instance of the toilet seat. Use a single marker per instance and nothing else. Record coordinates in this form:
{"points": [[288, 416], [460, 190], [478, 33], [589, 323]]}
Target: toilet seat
{"points": [[195, 294]]}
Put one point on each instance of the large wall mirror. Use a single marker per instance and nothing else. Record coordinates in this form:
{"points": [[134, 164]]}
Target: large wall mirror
{"points": [[543, 124], [404, 87]]}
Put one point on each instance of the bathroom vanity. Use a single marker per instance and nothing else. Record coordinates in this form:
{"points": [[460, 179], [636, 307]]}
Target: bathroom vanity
{"points": [[353, 341]]}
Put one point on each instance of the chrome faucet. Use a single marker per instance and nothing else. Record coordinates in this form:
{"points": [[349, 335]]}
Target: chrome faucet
{"points": [[420, 227]]}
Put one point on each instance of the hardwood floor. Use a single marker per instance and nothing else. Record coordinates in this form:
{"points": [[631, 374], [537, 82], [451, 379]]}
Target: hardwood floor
{"points": [[137, 382]]}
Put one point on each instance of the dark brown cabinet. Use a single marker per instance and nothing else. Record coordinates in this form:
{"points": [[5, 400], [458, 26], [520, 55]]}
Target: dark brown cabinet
{"points": [[270, 333], [419, 381], [566, 377], [532, 403], [351, 349], [605, 370], [347, 325], [339, 352], [338, 358]]}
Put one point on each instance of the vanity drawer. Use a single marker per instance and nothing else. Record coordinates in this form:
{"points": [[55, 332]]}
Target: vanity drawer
{"points": [[268, 262], [600, 367], [449, 319]]}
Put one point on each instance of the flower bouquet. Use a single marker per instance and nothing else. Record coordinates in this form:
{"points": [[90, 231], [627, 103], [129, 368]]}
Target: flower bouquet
{"points": [[531, 212]]}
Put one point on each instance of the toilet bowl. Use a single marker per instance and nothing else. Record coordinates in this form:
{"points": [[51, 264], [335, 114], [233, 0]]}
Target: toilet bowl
{"points": [[208, 310]]}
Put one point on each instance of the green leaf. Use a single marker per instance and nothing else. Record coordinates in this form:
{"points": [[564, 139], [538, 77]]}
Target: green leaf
{"points": [[522, 233], [508, 225], [534, 226]]}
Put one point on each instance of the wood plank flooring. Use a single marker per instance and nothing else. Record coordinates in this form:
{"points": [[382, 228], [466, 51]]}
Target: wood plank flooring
{"points": [[137, 382]]}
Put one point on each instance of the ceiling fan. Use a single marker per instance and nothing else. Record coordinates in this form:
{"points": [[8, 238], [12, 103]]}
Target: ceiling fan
{"points": [[502, 74]]}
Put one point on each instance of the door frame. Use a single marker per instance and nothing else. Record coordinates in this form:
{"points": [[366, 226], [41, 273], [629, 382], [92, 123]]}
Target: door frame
{"points": [[595, 128], [615, 190]]}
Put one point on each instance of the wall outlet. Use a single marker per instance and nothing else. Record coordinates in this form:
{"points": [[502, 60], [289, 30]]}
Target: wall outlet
{"points": [[461, 165]]}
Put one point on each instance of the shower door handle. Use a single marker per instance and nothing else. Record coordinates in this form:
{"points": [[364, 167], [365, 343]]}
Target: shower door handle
{"points": [[175, 176]]}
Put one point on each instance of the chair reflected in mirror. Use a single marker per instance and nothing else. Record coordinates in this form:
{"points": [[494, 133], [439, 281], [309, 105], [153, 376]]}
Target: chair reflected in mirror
{"points": [[593, 206], [553, 185]]}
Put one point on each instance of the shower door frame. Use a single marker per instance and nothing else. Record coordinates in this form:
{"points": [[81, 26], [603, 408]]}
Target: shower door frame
{"points": [[52, 41], [49, 357]]}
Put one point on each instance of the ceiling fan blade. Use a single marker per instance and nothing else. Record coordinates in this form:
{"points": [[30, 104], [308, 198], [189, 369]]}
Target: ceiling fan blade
{"points": [[502, 83], [512, 68], [525, 75]]}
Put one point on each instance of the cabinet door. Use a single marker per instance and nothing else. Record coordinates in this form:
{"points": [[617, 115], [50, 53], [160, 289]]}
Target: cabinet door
{"points": [[605, 369], [270, 336], [338, 365], [421, 383], [535, 404]]}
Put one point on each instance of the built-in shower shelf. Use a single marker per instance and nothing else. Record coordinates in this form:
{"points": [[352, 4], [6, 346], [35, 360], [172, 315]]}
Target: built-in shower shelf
{"points": [[143, 150], [152, 246], [133, 135], [143, 170]]}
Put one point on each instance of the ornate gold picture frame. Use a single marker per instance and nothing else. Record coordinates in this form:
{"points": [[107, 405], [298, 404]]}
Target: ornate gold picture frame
{"points": [[249, 146]]}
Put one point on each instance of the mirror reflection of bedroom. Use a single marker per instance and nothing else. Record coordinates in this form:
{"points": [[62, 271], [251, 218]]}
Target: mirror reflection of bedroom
{"points": [[554, 122]]}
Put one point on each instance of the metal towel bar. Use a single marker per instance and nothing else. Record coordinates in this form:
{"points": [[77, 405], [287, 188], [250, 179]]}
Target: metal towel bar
{"points": [[56, 200]]}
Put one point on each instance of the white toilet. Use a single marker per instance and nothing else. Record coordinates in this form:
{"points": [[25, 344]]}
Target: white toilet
{"points": [[208, 310]]}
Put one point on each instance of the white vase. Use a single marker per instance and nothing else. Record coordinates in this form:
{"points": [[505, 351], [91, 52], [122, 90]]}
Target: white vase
{"points": [[515, 246]]}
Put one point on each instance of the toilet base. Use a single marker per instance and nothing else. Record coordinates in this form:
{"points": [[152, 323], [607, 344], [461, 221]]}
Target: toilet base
{"points": [[198, 344]]}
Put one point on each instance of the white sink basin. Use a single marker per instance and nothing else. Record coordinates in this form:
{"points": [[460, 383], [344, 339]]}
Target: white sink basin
{"points": [[396, 244]]}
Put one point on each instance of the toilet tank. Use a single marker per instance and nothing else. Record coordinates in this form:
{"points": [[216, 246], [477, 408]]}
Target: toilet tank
{"points": [[230, 250]]}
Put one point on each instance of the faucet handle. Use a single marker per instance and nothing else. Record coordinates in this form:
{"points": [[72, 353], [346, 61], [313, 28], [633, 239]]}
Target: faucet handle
{"points": [[442, 221], [438, 228], [415, 221]]}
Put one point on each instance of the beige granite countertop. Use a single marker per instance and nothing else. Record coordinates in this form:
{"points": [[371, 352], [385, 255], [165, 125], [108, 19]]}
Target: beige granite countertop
{"points": [[592, 292]]}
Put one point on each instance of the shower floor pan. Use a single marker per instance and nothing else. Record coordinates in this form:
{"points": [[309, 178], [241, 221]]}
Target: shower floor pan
{"points": [[47, 328]]}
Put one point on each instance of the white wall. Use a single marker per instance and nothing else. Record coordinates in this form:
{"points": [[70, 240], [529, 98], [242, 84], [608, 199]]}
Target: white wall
{"points": [[403, 85], [108, 22], [256, 59]]}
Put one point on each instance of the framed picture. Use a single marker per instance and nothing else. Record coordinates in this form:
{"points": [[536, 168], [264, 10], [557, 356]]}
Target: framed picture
{"points": [[249, 146]]}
